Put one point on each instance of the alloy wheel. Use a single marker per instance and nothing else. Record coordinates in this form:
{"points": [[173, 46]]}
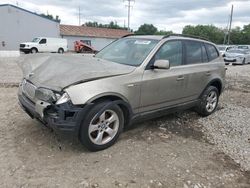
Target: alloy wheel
{"points": [[103, 129], [212, 100]]}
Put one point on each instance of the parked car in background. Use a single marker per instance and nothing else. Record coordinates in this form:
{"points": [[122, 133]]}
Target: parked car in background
{"points": [[45, 44], [224, 48], [244, 47], [135, 77], [237, 57]]}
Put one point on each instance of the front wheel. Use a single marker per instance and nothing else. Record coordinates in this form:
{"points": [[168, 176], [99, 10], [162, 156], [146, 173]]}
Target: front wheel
{"points": [[209, 101], [101, 127], [33, 50], [244, 61]]}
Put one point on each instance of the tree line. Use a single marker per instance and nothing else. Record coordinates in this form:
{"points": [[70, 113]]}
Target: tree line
{"points": [[111, 25], [210, 32]]}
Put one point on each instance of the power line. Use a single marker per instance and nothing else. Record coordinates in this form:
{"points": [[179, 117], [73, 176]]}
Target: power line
{"points": [[129, 7]]}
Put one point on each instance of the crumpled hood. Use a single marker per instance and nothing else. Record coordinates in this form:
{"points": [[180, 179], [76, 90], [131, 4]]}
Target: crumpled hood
{"points": [[59, 71]]}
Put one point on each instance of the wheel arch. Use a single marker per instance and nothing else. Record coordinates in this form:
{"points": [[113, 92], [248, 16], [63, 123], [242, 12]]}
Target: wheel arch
{"points": [[34, 48], [116, 99], [216, 83], [60, 48]]}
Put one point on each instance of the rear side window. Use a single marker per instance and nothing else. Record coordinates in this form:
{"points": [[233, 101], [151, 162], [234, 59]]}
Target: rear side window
{"points": [[171, 51], [212, 52], [43, 41], [193, 52]]}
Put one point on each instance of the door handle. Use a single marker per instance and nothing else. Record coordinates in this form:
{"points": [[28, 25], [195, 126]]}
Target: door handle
{"points": [[208, 73], [179, 78]]}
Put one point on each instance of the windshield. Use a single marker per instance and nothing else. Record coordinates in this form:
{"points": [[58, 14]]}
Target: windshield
{"points": [[35, 40], [237, 51], [243, 47], [129, 51]]}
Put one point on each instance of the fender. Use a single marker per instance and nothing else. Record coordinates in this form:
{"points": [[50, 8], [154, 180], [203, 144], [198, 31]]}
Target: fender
{"points": [[210, 83]]}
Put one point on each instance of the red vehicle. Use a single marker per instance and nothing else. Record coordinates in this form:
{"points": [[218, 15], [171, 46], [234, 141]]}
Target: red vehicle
{"points": [[84, 46]]}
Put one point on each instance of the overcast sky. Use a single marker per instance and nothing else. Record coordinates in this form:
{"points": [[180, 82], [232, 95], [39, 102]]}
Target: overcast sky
{"points": [[164, 14]]}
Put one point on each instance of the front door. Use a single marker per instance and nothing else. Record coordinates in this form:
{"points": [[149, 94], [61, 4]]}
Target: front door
{"points": [[164, 87], [42, 47]]}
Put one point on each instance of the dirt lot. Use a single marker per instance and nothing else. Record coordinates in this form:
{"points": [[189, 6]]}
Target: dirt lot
{"points": [[179, 150]]}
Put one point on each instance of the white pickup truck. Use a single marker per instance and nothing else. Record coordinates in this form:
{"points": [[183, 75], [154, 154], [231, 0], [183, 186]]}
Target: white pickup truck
{"points": [[44, 44]]}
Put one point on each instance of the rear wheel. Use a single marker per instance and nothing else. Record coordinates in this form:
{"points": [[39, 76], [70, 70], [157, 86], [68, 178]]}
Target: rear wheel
{"points": [[209, 101], [101, 127], [60, 51]]}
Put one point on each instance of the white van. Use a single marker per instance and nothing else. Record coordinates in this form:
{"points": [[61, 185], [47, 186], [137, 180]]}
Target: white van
{"points": [[44, 44]]}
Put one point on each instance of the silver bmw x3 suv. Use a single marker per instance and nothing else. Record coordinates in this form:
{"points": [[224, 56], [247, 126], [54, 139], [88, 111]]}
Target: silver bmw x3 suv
{"points": [[133, 78]]}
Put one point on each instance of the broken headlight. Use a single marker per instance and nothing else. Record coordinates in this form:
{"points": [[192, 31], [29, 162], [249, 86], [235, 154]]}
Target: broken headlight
{"points": [[46, 95], [63, 99]]}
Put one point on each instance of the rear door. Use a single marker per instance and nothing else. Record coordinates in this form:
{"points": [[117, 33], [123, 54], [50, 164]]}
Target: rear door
{"points": [[200, 65]]}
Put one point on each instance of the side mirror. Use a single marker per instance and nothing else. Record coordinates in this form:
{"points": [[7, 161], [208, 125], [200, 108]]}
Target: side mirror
{"points": [[161, 64]]}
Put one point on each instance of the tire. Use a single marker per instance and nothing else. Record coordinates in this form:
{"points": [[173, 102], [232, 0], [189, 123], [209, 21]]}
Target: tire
{"points": [[60, 51], [33, 50], [209, 101], [94, 127], [244, 61]]}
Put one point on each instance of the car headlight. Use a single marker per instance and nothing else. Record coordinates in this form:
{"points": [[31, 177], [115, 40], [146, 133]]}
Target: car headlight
{"points": [[63, 99], [27, 45], [46, 95], [241, 57]]}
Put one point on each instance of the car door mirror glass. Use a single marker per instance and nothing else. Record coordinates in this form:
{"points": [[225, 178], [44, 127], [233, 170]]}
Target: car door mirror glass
{"points": [[161, 64]]}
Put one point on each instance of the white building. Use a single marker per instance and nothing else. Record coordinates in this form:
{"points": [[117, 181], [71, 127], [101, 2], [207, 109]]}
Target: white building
{"points": [[20, 25]]}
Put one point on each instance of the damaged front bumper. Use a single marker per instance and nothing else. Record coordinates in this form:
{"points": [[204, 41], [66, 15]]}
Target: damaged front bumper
{"points": [[64, 117]]}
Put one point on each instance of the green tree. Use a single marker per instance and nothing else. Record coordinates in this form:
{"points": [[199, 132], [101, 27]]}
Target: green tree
{"points": [[146, 29], [92, 24], [236, 36], [161, 32], [111, 25], [209, 32], [51, 17], [246, 34]]}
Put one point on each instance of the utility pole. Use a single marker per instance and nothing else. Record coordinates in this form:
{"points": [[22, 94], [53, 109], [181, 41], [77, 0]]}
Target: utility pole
{"points": [[226, 32], [129, 7], [230, 24], [79, 16]]}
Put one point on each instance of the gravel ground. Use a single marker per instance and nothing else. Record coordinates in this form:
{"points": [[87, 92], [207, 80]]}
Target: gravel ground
{"points": [[229, 127], [179, 150], [9, 71]]}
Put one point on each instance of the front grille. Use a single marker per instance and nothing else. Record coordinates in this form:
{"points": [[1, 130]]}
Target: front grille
{"points": [[22, 45], [29, 89], [230, 60]]}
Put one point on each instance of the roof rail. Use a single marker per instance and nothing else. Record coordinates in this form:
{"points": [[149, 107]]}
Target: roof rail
{"points": [[128, 35], [184, 35]]}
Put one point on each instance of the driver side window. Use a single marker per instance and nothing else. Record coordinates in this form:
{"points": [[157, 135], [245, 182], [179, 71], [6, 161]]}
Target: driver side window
{"points": [[171, 51], [43, 41]]}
